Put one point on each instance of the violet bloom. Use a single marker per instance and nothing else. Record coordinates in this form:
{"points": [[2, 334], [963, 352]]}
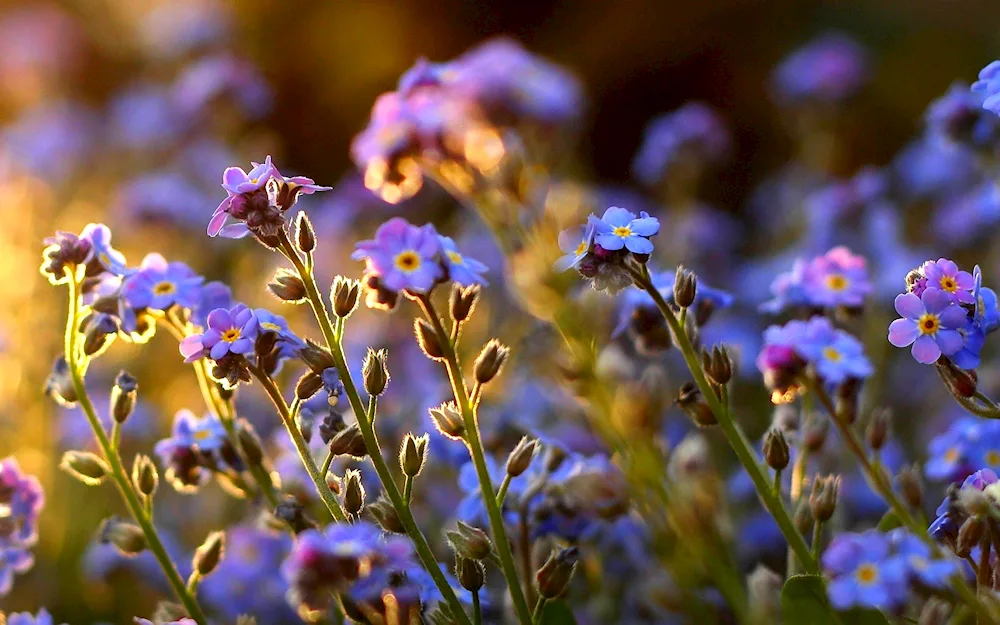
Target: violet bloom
{"points": [[988, 86], [619, 228], [944, 274], [284, 191], [231, 331], [109, 258], [864, 572], [837, 355], [21, 501], [575, 242], [461, 269], [159, 285], [246, 190], [831, 68], [694, 133], [930, 323], [402, 256], [26, 618], [838, 278]]}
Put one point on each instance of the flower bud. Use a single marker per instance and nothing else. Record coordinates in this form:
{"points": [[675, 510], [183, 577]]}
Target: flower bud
{"points": [[287, 286], [554, 457], [960, 382], [690, 401], [703, 312], [144, 475], [332, 424], [520, 457], [814, 434], [911, 486], [428, 339], [126, 537], [969, 535], [386, 516], [448, 421], [776, 451], [354, 492], [293, 514], [823, 499], [413, 454], [717, 365], [685, 287], [250, 443], [469, 542], [98, 332], [803, 516], [877, 432], [554, 576], [305, 236], [375, 371], [470, 573], [123, 396], [317, 358], [84, 466], [490, 361], [59, 384], [349, 442], [209, 554], [308, 385], [345, 295], [463, 301]]}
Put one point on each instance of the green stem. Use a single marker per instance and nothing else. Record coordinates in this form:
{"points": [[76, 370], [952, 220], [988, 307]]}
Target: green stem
{"points": [[737, 440], [327, 462], [817, 537], [118, 474], [478, 454], [305, 454], [502, 493], [420, 543], [477, 611], [407, 490], [777, 482], [536, 616]]}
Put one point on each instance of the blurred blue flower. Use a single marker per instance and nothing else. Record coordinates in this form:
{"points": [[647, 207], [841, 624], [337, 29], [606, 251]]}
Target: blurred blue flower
{"points": [[829, 69], [864, 573]]}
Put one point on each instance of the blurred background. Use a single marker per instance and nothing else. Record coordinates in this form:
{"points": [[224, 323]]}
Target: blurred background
{"points": [[127, 112]]}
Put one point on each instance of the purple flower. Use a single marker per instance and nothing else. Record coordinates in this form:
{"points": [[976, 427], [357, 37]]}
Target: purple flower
{"points": [[110, 259], [159, 285], [949, 454], [575, 242], [930, 323], [245, 192], [221, 76], [196, 448], [693, 133], [284, 191], [988, 86], [231, 331], [837, 278], [211, 296], [21, 501], [987, 313], [634, 300], [183, 621], [831, 68], [958, 117], [951, 516], [921, 565], [864, 573], [944, 274], [142, 118], [779, 360], [402, 256], [24, 618], [984, 446], [837, 355], [619, 228], [461, 269], [248, 580], [189, 431]]}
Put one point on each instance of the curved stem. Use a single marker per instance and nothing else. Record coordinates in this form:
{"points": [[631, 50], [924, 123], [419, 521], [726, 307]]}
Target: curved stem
{"points": [[332, 339], [477, 611], [536, 616], [737, 440], [118, 474], [475, 445], [305, 454]]}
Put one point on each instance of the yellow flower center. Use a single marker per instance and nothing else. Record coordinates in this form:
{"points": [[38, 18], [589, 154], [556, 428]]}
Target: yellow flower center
{"points": [[273, 327], [231, 335], [408, 261], [918, 562], [580, 249], [867, 573], [201, 435], [992, 457], [928, 323], [455, 258], [164, 288], [948, 284], [951, 455], [831, 353], [836, 282], [623, 231]]}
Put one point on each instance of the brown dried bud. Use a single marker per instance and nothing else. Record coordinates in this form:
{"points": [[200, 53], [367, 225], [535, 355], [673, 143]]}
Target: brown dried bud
{"points": [[717, 364], [317, 358], [554, 576], [520, 457], [209, 554], [911, 486], [463, 301], [776, 451], [125, 536], [305, 236], [308, 385], [490, 361], [815, 434], [470, 542], [428, 339], [349, 442], [375, 370], [123, 396], [685, 287], [960, 382], [287, 286], [877, 432], [471, 574], [803, 516], [144, 475], [345, 294], [98, 332], [354, 492], [690, 400], [413, 454], [84, 466], [448, 421], [386, 516], [969, 535], [823, 499]]}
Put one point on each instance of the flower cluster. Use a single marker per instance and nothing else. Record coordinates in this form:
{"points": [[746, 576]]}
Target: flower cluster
{"points": [[945, 312], [876, 570], [961, 504], [197, 449], [601, 249], [21, 501], [692, 136], [406, 258], [837, 279], [25, 618], [988, 86], [967, 444], [90, 250]]}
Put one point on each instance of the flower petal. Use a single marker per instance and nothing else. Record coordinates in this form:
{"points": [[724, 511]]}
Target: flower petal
{"points": [[639, 245], [925, 350], [909, 306], [646, 226], [616, 216], [610, 242], [950, 341]]}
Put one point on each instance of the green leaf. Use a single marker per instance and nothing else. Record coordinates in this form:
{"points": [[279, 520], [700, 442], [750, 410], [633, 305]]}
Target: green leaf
{"points": [[804, 602], [557, 613], [889, 521]]}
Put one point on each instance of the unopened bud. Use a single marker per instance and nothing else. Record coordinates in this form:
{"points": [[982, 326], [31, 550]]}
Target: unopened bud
{"points": [[823, 499], [969, 535], [877, 432], [293, 514], [463, 301], [717, 364], [961, 383], [470, 542], [554, 576], [123, 396], [470, 573], [305, 236], [308, 385], [448, 421], [317, 358], [554, 457], [413, 454], [428, 339], [690, 400], [803, 516], [386, 516], [814, 434], [490, 361], [349, 442], [703, 311], [345, 295], [973, 501], [520, 457], [776, 451], [354, 492], [59, 384], [685, 287], [250, 443], [375, 371], [847, 408], [84, 466], [287, 286], [911, 486], [126, 537], [144, 475], [209, 554], [98, 331]]}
